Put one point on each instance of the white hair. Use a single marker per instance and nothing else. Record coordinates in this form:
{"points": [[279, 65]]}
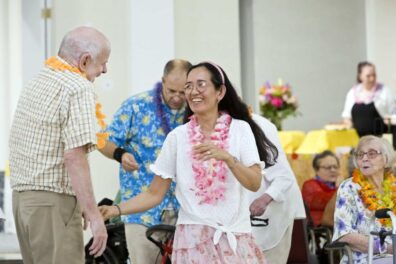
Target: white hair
{"points": [[387, 150], [80, 41]]}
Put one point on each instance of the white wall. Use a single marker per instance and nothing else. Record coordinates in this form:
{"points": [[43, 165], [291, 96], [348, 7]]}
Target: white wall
{"points": [[313, 45], [33, 39], [152, 42], [381, 39], [11, 71], [4, 77], [209, 30]]}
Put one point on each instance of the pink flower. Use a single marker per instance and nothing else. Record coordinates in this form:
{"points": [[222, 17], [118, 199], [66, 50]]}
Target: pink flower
{"points": [[277, 102], [209, 176]]}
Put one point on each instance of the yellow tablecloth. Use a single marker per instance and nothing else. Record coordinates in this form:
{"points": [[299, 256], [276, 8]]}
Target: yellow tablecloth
{"points": [[319, 140], [291, 140]]}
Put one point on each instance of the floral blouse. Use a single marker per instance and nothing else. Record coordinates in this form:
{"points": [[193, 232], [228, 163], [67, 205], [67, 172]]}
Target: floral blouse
{"points": [[351, 216], [137, 128]]}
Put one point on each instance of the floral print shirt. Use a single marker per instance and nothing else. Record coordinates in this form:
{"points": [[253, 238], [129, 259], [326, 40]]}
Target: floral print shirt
{"points": [[137, 128], [351, 216]]}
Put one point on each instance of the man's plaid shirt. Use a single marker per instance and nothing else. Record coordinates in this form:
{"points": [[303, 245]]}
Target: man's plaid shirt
{"points": [[56, 112]]}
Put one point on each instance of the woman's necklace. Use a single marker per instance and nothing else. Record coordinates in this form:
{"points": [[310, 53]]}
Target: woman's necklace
{"points": [[374, 200], [209, 176], [161, 115]]}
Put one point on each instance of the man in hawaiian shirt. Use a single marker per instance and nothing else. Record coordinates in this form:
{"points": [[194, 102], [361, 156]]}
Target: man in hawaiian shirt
{"points": [[136, 135]]}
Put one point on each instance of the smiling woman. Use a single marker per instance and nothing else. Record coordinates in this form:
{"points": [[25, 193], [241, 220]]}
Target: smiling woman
{"points": [[215, 159], [370, 188]]}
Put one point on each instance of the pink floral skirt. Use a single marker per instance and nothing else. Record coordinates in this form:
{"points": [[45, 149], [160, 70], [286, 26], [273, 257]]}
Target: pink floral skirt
{"points": [[193, 244]]}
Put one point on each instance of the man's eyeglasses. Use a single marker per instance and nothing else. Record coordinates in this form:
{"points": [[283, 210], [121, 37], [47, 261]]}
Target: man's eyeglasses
{"points": [[331, 167], [200, 86], [371, 154]]}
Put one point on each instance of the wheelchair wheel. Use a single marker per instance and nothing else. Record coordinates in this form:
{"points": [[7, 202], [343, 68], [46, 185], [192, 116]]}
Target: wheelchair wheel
{"points": [[162, 236], [108, 257]]}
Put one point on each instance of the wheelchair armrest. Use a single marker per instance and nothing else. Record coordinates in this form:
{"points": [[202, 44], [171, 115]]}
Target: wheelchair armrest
{"points": [[336, 245], [341, 246], [160, 227]]}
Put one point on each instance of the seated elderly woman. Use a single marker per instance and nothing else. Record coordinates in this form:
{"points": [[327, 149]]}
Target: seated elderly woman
{"points": [[317, 192], [369, 189]]}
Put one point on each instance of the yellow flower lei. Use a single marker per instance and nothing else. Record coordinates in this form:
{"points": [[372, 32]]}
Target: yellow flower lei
{"points": [[374, 200], [57, 65]]}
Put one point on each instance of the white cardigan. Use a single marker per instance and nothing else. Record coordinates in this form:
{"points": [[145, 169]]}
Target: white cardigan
{"points": [[280, 183]]}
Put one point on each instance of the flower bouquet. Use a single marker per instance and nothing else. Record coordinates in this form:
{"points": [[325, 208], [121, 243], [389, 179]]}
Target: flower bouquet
{"points": [[277, 102]]}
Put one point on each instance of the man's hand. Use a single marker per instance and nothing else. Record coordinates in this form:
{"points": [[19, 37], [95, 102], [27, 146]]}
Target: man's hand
{"points": [[99, 234], [128, 162], [258, 207], [108, 212]]}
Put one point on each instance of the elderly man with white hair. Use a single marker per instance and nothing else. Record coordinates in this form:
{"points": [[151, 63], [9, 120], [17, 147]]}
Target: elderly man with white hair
{"points": [[52, 132]]}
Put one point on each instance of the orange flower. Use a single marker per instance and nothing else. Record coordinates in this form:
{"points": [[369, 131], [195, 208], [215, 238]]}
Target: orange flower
{"points": [[102, 136], [374, 200], [57, 65]]}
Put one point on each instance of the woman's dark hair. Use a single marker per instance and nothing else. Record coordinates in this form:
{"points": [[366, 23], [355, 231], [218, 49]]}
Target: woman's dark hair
{"points": [[322, 155], [236, 108], [360, 67]]}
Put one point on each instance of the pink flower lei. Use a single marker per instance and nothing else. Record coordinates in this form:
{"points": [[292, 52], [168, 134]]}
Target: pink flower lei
{"points": [[210, 175]]}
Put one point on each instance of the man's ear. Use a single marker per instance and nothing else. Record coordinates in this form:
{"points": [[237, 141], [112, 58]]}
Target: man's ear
{"points": [[85, 59]]}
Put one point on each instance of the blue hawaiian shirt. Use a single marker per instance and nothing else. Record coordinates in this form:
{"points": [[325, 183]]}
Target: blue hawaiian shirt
{"points": [[351, 216], [136, 127]]}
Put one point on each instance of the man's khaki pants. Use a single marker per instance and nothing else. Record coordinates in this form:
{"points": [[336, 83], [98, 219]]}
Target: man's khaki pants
{"points": [[49, 227]]}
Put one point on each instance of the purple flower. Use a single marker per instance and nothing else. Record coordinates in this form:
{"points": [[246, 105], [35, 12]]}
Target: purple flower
{"points": [[341, 201], [359, 218], [340, 225]]}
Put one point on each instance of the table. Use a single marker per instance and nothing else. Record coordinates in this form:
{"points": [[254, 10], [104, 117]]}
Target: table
{"points": [[317, 141], [291, 140]]}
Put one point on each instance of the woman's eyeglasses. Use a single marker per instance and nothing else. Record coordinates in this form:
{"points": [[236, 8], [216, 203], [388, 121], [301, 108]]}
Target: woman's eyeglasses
{"points": [[371, 154], [330, 167], [200, 86]]}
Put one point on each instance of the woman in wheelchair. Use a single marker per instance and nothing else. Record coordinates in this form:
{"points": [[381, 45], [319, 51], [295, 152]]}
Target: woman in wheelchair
{"points": [[215, 158], [317, 192], [369, 189]]}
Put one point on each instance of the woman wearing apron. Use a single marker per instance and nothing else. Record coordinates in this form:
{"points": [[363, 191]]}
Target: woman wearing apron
{"points": [[368, 103]]}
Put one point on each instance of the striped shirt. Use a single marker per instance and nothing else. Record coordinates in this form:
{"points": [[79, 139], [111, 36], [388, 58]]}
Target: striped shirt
{"points": [[56, 112]]}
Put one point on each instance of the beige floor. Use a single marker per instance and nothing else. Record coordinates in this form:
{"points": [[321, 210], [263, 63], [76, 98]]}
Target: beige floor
{"points": [[9, 249]]}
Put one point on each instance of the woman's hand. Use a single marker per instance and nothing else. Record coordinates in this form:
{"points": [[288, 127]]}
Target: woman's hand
{"points": [[258, 207], [108, 211], [208, 150]]}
